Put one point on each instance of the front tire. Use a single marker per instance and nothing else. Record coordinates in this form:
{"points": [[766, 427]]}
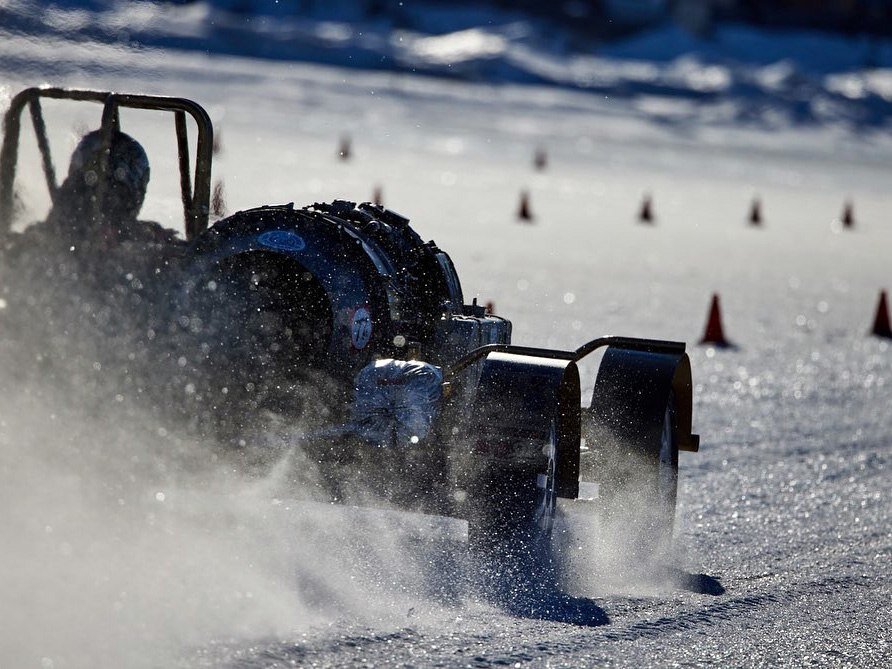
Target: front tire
{"points": [[639, 481], [511, 516]]}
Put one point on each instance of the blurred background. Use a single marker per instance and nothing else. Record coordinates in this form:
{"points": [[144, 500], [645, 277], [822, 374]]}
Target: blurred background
{"points": [[380, 33], [603, 19]]}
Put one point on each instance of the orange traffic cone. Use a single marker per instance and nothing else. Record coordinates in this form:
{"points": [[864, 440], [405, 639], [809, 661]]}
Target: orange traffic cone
{"points": [[523, 210], [344, 148], [646, 214], [714, 333], [377, 197], [881, 326], [848, 215], [756, 212], [540, 160]]}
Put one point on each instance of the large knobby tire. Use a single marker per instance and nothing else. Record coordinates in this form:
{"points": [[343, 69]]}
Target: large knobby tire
{"points": [[257, 329]]}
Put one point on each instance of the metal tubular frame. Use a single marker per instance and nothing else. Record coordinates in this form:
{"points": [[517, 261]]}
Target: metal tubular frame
{"points": [[647, 345], [196, 194]]}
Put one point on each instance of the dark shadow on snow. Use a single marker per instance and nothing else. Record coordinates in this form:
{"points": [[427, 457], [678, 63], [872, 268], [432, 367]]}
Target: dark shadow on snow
{"points": [[701, 584], [559, 608]]}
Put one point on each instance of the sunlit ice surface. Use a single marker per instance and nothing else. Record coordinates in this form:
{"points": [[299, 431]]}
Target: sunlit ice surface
{"points": [[126, 544]]}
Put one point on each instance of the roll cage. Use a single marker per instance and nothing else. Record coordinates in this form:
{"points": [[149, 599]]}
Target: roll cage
{"points": [[194, 188]]}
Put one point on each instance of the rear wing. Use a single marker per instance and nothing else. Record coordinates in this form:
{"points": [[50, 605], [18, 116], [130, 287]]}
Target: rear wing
{"points": [[195, 189]]}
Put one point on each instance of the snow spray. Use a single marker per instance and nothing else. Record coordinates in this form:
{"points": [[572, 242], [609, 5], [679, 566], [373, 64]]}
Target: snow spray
{"points": [[129, 541]]}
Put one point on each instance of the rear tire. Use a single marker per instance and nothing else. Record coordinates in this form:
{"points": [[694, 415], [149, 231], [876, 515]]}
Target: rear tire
{"points": [[261, 329]]}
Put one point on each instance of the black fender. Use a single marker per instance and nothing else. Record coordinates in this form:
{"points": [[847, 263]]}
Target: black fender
{"points": [[631, 395], [518, 399]]}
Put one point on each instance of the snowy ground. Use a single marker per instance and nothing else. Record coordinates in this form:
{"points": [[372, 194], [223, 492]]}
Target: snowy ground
{"points": [[117, 553]]}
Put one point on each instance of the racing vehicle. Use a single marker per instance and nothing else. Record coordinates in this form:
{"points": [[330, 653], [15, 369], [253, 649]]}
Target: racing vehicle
{"points": [[340, 317]]}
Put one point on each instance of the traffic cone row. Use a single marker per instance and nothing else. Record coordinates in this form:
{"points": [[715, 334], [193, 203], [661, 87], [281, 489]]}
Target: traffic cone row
{"points": [[714, 333], [646, 213], [540, 162], [754, 217]]}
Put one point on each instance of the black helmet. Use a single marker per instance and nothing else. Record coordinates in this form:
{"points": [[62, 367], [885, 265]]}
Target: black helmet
{"points": [[127, 172]]}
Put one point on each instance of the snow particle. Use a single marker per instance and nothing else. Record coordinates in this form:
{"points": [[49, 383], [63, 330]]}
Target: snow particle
{"points": [[159, 496], [569, 298]]}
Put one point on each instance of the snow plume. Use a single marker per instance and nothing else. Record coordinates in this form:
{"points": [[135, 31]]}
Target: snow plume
{"points": [[620, 542], [127, 542]]}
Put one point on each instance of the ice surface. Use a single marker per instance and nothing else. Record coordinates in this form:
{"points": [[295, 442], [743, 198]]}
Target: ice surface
{"points": [[783, 535]]}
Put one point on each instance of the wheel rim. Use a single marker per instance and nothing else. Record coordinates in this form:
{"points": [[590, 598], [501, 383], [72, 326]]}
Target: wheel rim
{"points": [[546, 489], [667, 474]]}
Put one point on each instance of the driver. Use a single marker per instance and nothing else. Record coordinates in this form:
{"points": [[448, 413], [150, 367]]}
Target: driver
{"points": [[88, 206]]}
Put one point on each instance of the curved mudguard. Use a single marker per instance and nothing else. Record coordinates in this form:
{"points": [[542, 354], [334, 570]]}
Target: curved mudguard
{"points": [[631, 394], [518, 399]]}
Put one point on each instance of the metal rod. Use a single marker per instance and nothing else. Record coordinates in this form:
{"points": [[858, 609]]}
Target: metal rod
{"points": [[9, 156], [110, 124], [647, 345], [478, 353], [44, 146], [185, 171], [633, 343], [201, 193]]}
